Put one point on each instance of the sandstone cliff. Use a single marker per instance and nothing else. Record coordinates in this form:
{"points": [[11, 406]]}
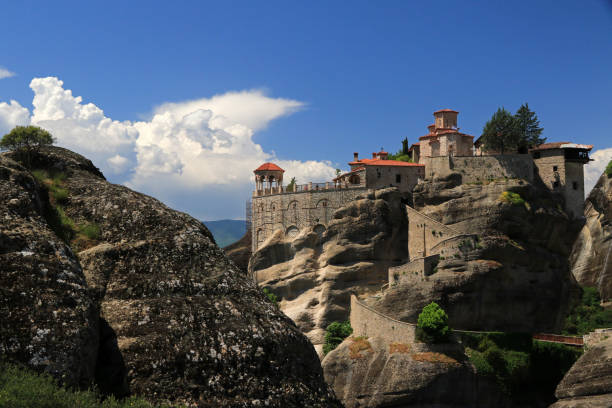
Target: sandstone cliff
{"points": [[591, 256], [240, 251], [374, 373], [513, 275], [314, 275], [177, 320], [588, 383]]}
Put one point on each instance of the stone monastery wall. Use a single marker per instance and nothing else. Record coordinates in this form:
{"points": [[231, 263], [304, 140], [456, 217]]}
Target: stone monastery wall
{"points": [[474, 169], [367, 322], [424, 232], [412, 271], [293, 212]]}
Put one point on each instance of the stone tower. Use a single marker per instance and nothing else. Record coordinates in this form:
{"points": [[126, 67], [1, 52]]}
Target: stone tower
{"points": [[561, 167]]}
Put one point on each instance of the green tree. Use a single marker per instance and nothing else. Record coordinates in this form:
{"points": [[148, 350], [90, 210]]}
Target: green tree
{"points": [[608, 170], [291, 185], [501, 133], [432, 325], [26, 140], [405, 146], [528, 127], [335, 334]]}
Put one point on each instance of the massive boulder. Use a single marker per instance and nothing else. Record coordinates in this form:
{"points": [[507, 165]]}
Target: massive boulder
{"points": [[372, 373], [512, 275], [314, 275], [179, 321], [588, 383], [48, 319], [591, 257]]}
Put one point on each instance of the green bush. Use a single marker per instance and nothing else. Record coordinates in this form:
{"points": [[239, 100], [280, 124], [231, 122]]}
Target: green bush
{"points": [[588, 314], [22, 388], [271, 296], [432, 325], [91, 231], [334, 335], [512, 198], [608, 170]]}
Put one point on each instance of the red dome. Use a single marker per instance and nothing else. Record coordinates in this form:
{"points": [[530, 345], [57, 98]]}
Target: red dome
{"points": [[269, 167]]}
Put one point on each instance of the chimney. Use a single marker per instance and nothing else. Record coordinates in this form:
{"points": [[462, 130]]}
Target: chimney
{"points": [[356, 156], [373, 155]]}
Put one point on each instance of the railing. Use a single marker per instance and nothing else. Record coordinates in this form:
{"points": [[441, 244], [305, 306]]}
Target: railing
{"points": [[557, 338], [300, 188]]}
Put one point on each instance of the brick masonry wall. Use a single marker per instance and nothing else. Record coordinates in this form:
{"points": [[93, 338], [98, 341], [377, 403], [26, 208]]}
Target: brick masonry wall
{"points": [[293, 212], [367, 322], [424, 232]]}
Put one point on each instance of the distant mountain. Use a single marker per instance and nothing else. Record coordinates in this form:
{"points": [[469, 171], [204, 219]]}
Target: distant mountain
{"points": [[226, 231]]}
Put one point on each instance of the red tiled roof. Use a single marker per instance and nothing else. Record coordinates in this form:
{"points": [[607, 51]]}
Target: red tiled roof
{"points": [[269, 167], [562, 145], [445, 110], [378, 162], [444, 132]]}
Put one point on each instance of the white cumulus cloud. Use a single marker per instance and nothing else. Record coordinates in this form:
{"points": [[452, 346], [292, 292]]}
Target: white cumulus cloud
{"points": [[595, 168], [197, 156], [5, 73]]}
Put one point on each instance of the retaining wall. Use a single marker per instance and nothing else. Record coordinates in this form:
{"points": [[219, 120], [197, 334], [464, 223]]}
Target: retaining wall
{"points": [[413, 270], [454, 245], [367, 322], [475, 169], [425, 233]]}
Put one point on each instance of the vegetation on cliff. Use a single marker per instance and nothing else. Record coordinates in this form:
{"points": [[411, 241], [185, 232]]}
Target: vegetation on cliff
{"points": [[25, 140], [588, 314], [525, 369], [23, 388], [334, 335], [432, 325], [608, 170]]}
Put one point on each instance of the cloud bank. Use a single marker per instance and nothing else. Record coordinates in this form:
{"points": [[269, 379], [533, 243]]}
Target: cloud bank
{"points": [[594, 169], [197, 156]]}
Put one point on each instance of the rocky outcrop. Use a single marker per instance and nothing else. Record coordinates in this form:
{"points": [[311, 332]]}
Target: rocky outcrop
{"points": [[370, 372], [313, 275], [240, 251], [589, 382], [592, 253], [48, 320], [512, 276], [179, 320]]}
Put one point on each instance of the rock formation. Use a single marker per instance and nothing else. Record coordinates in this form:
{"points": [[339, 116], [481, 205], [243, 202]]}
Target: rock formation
{"points": [[314, 275], [369, 373], [592, 253], [178, 321], [48, 318], [514, 276], [588, 383], [240, 251]]}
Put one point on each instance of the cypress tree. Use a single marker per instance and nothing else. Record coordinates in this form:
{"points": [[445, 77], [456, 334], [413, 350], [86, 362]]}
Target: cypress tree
{"points": [[500, 133], [528, 126]]}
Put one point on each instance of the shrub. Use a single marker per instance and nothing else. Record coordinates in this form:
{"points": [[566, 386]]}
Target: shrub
{"points": [[334, 335], [608, 170], [91, 231], [432, 325], [588, 314], [25, 140], [512, 198], [271, 296], [22, 388]]}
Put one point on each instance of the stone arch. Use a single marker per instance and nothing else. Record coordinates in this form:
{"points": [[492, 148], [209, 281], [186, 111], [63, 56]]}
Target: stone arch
{"points": [[324, 202], [292, 231], [293, 212], [319, 229]]}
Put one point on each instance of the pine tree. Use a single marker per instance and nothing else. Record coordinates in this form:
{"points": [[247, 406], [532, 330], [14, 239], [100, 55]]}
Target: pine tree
{"points": [[500, 133], [405, 146], [528, 126]]}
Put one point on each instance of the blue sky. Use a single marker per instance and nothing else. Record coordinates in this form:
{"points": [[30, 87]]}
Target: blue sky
{"points": [[318, 80]]}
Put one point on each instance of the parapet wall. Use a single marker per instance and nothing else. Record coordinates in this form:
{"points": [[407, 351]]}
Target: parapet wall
{"points": [[476, 169], [455, 245], [367, 322], [425, 233], [293, 212], [414, 270]]}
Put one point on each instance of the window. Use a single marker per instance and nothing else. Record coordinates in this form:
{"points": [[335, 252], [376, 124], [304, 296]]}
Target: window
{"points": [[398, 178], [575, 185], [537, 155], [555, 184], [555, 168]]}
